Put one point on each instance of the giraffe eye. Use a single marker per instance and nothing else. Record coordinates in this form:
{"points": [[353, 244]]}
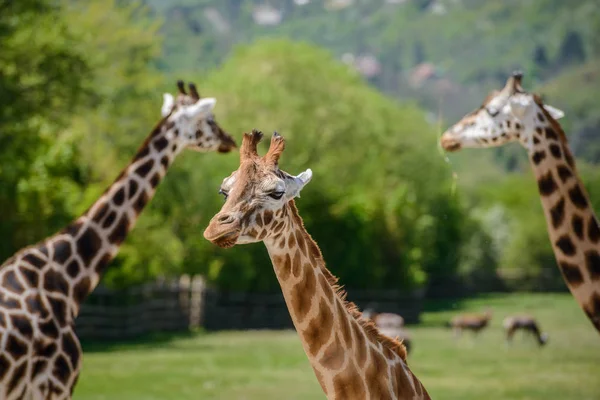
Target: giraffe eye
{"points": [[276, 195], [492, 111], [224, 193]]}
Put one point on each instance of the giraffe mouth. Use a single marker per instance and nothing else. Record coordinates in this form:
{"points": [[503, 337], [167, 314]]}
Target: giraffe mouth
{"points": [[449, 143], [225, 240]]}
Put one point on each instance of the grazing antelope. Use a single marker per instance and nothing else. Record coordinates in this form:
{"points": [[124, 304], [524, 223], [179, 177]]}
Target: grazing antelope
{"points": [[472, 322], [525, 322], [391, 325]]}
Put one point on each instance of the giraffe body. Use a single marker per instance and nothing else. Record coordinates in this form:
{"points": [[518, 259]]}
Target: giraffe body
{"points": [[514, 115], [350, 357], [43, 286]]}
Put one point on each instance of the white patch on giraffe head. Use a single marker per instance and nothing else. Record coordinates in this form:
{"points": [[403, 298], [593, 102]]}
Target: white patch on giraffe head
{"points": [[168, 103]]}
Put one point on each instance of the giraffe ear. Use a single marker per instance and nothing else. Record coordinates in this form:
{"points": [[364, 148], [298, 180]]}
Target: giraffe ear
{"points": [[201, 108], [167, 106], [297, 183], [554, 112]]}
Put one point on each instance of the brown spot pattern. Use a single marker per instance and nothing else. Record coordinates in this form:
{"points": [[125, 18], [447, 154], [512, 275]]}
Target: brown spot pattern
{"points": [[81, 290], [88, 245], [318, 331], [546, 184], [62, 251], [592, 262], [564, 173], [296, 266], [268, 217], [377, 376], [133, 187], [551, 134], [155, 180], [119, 196], [555, 150], [334, 355], [141, 202], [349, 384], [55, 282], [160, 144], [11, 283], [593, 230], [344, 323], [34, 260], [577, 225], [360, 343], [571, 273], [557, 213], [538, 156], [73, 269], [143, 169], [110, 219], [302, 294], [300, 240], [577, 197], [15, 347], [565, 244], [100, 213], [326, 288]]}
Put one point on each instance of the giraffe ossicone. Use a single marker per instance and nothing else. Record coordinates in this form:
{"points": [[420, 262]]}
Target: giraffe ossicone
{"points": [[351, 359], [513, 114], [42, 286]]}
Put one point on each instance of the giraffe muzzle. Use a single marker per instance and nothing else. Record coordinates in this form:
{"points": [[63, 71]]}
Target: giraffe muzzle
{"points": [[449, 142], [223, 230]]}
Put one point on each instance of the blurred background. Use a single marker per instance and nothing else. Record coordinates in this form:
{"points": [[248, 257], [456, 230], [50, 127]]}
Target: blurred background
{"points": [[361, 89]]}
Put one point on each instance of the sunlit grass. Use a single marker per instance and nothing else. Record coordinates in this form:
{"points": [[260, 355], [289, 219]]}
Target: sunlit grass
{"points": [[272, 365]]}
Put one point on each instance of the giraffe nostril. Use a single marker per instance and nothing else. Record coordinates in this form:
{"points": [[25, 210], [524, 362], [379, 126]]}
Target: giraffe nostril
{"points": [[225, 219]]}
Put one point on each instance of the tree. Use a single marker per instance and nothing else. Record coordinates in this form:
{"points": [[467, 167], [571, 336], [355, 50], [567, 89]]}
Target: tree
{"points": [[42, 83], [379, 205]]}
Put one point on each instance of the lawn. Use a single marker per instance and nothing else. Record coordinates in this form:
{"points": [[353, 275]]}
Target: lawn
{"points": [[272, 365]]}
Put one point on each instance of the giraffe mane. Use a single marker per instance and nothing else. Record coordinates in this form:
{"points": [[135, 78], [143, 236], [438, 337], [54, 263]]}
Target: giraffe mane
{"points": [[394, 345], [559, 130]]}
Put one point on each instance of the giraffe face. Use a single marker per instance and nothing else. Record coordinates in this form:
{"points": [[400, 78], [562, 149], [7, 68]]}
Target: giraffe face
{"points": [[193, 122], [505, 116], [256, 194]]}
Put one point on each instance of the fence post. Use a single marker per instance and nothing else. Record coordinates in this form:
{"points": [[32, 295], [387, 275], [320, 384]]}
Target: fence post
{"points": [[197, 289]]}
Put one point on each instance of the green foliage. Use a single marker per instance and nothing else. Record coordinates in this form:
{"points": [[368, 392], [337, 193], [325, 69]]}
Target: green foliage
{"points": [[41, 85]]}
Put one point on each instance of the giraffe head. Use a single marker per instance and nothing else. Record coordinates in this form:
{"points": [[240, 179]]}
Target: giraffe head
{"points": [[256, 192], [510, 114], [193, 121]]}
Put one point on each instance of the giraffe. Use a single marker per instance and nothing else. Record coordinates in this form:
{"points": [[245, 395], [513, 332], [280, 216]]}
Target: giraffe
{"points": [[349, 356], [512, 114], [42, 286]]}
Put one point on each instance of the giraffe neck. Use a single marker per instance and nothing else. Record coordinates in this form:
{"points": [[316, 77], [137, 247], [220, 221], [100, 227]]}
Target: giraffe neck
{"points": [[84, 248], [348, 355], [572, 226]]}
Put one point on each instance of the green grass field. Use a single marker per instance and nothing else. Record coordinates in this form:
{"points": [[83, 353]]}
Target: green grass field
{"points": [[272, 365]]}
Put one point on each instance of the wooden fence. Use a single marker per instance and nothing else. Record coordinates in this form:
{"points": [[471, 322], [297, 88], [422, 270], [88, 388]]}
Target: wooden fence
{"points": [[186, 303]]}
